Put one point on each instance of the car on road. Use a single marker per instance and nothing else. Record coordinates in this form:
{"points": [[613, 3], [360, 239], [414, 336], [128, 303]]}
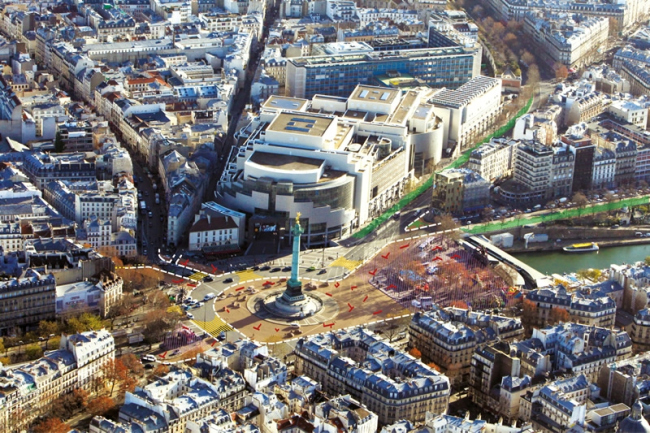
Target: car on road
{"points": [[148, 357], [189, 315], [144, 251], [208, 279], [148, 366], [208, 297], [228, 280], [294, 325], [265, 268], [276, 269], [322, 271], [150, 214], [311, 269], [286, 269]]}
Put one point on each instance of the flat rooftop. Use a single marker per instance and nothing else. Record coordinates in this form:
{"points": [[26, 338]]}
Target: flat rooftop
{"points": [[284, 103], [301, 123], [285, 162], [374, 94], [399, 115], [379, 56]]}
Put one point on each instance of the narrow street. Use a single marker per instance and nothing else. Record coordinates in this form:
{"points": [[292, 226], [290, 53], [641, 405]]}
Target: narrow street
{"points": [[150, 228], [241, 100]]}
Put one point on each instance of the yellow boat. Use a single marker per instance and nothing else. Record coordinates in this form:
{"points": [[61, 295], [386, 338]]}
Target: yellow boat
{"points": [[582, 248]]}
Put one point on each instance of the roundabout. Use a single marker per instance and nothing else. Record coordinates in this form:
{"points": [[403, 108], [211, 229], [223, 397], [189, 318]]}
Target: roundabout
{"points": [[262, 305]]}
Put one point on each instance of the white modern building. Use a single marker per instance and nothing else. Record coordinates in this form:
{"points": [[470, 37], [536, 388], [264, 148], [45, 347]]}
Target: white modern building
{"points": [[336, 170], [468, 111]]}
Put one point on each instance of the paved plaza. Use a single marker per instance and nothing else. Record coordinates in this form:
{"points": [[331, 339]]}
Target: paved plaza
{"points": [[401, 278]]}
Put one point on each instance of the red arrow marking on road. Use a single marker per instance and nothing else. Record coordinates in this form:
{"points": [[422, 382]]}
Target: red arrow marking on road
{"points": [[328, 294], [186, 262], [455, 256], [163, 355], [404, 246], [351, 307], [386, 256], [214, 269], [257, 328], [353, 287], [437, 258], [365, 299], [192, 284], [177, 281], [277, 329], [373, 272], [213, 343], [392, 286], [239, 289], [329, 325], [377, 312], [437, 248], [337, 284]]}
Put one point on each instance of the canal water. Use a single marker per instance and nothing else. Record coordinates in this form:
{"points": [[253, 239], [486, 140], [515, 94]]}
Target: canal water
{"points": [[558, 262]]}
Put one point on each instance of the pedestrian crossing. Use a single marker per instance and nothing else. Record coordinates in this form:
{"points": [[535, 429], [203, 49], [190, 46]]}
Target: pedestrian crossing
{"points": [[198, 276], [214, 327]]}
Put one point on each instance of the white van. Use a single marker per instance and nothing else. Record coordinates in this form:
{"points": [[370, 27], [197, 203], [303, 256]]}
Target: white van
{"points": [[209, 296]]}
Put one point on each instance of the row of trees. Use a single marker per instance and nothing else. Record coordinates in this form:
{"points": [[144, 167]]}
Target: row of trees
{"points": [[161, 317], [508, 45], [32, 344]]}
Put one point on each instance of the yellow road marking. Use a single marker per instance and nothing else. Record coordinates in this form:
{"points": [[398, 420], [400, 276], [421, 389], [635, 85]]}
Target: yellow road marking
{"points": [[350, 265], [247, 275]]}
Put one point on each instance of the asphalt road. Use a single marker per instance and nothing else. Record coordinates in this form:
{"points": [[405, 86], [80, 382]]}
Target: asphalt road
{"points": [[150, 229], [394, 228], [205, 313]]}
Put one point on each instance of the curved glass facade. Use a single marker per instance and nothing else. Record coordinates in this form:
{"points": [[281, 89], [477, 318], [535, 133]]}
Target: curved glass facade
{"points": [[338, 194]]}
